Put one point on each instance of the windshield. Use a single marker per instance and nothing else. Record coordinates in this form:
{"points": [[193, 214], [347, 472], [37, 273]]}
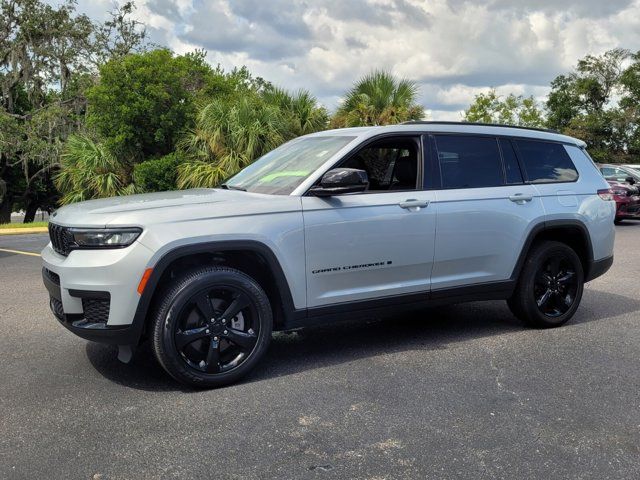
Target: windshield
{"points": [[280, 171]]}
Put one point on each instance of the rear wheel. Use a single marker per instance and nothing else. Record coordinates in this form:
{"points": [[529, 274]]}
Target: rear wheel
{"points": [[550, 286], [212, 327]]}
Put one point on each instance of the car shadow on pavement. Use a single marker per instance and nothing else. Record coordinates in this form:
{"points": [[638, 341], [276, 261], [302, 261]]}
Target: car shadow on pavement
{"points": [[338, 343]]}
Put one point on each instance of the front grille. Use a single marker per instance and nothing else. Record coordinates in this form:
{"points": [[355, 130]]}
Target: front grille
{"points": [[96, 310], [61, 239]]}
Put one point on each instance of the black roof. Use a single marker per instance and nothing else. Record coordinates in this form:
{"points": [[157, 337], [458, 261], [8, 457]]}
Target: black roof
{"points": [[479, 124]]}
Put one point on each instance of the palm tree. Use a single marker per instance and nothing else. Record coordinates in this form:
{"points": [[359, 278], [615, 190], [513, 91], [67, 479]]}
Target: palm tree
{"points": [[228, 136], [89, 170], [379, 98], [302, 109]]}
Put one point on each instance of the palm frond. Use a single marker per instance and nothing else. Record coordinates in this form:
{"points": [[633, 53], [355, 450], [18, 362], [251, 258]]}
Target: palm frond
{"points": [[379, 98]]}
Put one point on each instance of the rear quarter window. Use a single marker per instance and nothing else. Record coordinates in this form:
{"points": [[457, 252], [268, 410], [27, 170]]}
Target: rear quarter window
{"points": [[546, 162]]}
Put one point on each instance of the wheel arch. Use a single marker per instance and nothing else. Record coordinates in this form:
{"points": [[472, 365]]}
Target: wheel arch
{"points": [[573, 233], [251, 257]]}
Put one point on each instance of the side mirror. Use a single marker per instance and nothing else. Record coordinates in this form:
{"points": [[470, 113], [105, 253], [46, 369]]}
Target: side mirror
{"points": [[341, 180], [630, 180]]}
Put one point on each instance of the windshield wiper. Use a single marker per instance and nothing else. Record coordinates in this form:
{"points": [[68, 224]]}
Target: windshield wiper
{"points": [[232, 187]]}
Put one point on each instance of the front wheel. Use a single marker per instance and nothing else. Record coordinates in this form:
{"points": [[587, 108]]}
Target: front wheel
{"points": [[550, 286], [212, 327]]}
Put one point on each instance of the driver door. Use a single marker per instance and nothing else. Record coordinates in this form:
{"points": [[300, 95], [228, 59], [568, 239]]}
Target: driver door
{"points": [[376, 243]]}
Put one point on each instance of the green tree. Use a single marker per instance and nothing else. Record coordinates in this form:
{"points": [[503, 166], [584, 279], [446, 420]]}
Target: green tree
{"points": [[145, 100], [89, 170], [584, 104], [379, 98], [598, 77], [157, 174], [46, 57], [630, 104], [119, 35], [235, 129], [301, 110], [511, 110], [563, 103], [228, 136]]}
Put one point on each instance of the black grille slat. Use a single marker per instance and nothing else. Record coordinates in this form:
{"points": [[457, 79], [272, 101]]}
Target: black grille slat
{"points": [[61, 239], [56, 307], [96, 310], [54, 277]]}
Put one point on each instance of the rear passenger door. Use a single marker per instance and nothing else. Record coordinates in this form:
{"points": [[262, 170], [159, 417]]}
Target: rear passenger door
{"points": [[484, 210]]}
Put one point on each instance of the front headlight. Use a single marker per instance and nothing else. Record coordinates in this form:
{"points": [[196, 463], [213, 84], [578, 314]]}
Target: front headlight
{"points": [[104, 237]]}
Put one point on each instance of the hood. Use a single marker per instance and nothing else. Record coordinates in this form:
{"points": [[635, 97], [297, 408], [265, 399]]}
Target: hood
{"points": [[162, 207]]}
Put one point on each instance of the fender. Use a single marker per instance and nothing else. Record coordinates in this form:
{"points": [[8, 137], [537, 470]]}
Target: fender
{"points": [[289, 311], [548, 225]]}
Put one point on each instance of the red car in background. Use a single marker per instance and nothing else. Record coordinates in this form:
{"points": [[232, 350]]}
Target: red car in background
{"points": [[627, 200]]}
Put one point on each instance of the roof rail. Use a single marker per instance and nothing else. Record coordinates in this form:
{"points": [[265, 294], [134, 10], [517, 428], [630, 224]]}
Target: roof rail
{"points": [[478, 124]]}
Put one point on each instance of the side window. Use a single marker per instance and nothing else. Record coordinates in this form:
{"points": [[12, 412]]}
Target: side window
{"points": [[608, 172], [512, 171], [469, 162], [546, 162], [390, 164]]}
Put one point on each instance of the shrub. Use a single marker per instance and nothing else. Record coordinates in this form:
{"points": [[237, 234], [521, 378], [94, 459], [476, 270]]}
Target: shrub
{"points": [[157, 174]]}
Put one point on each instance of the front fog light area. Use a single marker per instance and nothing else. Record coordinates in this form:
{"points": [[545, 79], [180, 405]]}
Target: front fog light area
{"points": [[104, 238]]}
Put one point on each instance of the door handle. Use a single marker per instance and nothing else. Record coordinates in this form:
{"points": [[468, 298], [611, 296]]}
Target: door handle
{"points": [[413, 203], [520, 199]]}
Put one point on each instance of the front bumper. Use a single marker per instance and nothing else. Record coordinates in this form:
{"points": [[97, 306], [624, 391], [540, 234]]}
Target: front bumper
{"points": [[78, 324], [93, 293]]}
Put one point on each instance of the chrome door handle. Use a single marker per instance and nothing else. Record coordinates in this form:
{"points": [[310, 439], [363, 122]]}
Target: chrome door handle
{"points": [[413, 203], [520, 199]]}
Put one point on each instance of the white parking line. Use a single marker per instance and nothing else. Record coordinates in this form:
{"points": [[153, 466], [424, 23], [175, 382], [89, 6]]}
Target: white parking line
{"points": [[19, 252]]}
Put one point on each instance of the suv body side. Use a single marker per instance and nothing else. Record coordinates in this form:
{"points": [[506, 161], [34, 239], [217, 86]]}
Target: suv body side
{"points": [[464, 239], [349, 249]]}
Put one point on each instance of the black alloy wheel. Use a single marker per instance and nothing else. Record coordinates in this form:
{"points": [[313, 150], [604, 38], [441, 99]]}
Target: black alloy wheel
{"points": [[212, 326], [550, 286], [217, 329], [555, 285]]}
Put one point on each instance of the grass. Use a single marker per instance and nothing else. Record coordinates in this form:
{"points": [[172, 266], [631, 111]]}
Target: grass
{"points": [[4, 226]]}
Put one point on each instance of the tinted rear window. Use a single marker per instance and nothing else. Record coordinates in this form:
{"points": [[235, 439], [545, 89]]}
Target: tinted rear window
{"points": [[469, 162], [546, 162]]}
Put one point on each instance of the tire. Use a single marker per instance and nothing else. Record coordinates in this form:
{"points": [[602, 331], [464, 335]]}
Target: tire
{"points": [[617, 221], [192, 339], [559, 289]]}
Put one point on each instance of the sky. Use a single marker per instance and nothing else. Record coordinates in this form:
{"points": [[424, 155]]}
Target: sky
{"points": [[454, 49]]}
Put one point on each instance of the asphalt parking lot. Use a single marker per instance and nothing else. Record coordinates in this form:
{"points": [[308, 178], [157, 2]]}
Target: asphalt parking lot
{"points": [[455, 392]]}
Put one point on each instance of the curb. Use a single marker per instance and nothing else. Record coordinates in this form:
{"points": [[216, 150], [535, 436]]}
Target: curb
{"points": [[20, 231]]}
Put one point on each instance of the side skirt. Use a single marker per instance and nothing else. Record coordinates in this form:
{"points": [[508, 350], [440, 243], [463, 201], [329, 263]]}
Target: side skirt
{"points": [[399, 303]]}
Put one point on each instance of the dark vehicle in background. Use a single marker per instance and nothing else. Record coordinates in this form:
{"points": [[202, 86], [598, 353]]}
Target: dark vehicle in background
{"points": [[627, 201]]}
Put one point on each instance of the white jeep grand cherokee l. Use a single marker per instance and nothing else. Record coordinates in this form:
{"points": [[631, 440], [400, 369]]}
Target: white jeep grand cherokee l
{"points": [[342, 222]]}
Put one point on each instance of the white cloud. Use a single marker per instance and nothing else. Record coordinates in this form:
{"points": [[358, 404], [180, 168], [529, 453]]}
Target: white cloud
{"points": [[455, 49]]}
